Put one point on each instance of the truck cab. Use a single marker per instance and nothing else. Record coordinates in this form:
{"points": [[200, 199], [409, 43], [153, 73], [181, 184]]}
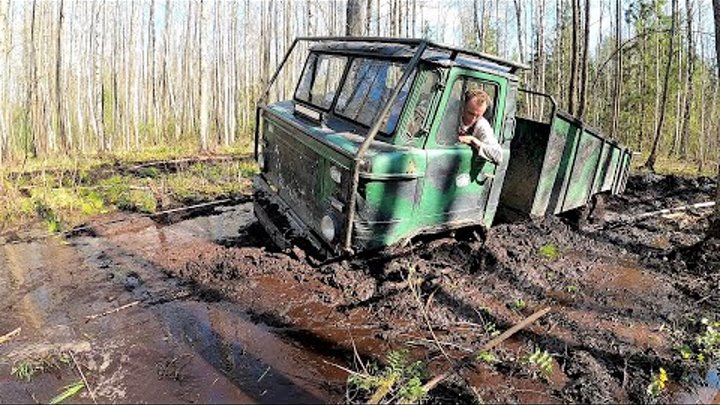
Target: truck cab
{"points": [[366, 154]]}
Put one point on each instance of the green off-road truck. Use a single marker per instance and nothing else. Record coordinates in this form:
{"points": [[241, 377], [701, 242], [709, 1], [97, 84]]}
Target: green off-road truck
{"points": [[366, 154]]}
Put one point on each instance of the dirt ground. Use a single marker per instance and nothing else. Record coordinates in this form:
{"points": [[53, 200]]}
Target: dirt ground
{"points": [[202, 308]]}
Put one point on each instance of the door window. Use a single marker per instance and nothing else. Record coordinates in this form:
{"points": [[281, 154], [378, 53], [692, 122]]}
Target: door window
{"points": [[448, 132]]}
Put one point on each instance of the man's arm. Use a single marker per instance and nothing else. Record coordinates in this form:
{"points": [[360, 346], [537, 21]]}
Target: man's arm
{"points": [[483, 139]]}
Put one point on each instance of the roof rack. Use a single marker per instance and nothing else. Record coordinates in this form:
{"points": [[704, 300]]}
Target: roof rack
{"points": [[453, 51]]}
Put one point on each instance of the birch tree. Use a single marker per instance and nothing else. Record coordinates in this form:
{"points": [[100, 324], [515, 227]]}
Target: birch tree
{"points": [[714, 230], [650, 163]]}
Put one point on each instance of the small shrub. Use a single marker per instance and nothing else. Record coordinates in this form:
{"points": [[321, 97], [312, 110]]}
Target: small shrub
{"points": [[658, 384], [705, 346], [26, 369], [571, 289], [491, 329], [149, 172], [518, 305], [709, 340], [549, 252], [486, 357], [23, 370], [542, 361], [400, 378]]}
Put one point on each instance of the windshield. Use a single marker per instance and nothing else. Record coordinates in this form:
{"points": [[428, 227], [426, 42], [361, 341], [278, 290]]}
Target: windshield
{"points": [[320, 80], [365, 90], [368, 87]]}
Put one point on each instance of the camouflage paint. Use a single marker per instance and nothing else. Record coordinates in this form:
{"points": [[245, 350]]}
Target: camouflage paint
{"points": [[413, 185]]}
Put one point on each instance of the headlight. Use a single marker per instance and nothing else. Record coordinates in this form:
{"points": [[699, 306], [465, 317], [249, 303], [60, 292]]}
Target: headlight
{"points": [[327, 227], [335, 174]]}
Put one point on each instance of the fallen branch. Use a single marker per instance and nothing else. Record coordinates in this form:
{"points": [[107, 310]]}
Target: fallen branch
{"points": [[6, 337], [666, 211], [192, 160], [112, 311], [487, 347], [196, 206], [89, 388]]}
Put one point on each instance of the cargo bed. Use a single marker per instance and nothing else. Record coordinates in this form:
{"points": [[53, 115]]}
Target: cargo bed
{"points": [[559, 164]]}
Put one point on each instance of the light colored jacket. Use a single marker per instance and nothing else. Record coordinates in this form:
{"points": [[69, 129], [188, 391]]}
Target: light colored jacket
{"points": [[489, 148]]}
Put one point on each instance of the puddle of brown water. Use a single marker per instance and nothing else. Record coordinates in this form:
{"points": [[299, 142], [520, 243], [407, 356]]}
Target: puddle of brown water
{"points": [[264, 366], [623, 277], [709, 393], [232, 360]]}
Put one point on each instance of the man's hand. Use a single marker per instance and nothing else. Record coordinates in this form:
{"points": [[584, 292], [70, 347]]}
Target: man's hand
{"points": [[467, 140]]}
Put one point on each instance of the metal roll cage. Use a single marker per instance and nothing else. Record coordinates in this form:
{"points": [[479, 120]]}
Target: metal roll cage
{"points": [[420, 46]]}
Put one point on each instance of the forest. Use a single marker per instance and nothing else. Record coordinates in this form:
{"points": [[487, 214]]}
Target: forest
{"points": [[87, 77], [182, 222]]}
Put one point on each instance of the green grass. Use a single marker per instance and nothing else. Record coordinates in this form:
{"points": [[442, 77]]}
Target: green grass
{"points": [[664, 165], [26, 369], [68, 392], [63, 193]]}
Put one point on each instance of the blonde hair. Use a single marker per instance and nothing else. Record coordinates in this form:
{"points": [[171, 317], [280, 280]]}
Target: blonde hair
{"points": [[480, 95]]}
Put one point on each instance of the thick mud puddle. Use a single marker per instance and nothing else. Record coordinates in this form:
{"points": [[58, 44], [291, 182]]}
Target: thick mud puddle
{"points": [[175, 345], [201, 308]]}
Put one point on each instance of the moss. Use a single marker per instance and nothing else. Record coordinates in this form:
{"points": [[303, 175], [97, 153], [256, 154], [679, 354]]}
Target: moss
{"points": [[549, 251]]}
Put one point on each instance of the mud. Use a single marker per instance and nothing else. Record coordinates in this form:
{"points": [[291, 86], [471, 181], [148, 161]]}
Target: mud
{"points": [[223, 316]]}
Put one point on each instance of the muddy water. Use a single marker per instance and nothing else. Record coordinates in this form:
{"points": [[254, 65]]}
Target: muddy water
{"points": [[706, 393], [171, 346], [221, 317]]}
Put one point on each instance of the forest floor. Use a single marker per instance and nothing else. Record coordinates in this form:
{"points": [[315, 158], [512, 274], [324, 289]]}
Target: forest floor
{"points": [[197, 306]]}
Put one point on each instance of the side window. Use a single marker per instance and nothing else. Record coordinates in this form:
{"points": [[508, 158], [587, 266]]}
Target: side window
{"points": [[425, 93], [448, 131], [321, 79], [419, 102]]}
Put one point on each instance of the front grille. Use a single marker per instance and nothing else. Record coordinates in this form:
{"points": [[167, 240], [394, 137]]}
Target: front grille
{"points": [[300, 173], [295, 167]]}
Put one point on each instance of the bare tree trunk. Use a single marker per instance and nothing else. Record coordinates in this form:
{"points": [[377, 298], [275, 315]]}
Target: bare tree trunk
{"points": [[541, 55], [618, 70], [559, 46], [689, 93], [714, 230], [5, 47], [204, 77], [650, 164], [479, 24], [58, 78], [30, 97], [518, 15], [584, 62], [675, 145], [572, 91], [703, 84]]}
